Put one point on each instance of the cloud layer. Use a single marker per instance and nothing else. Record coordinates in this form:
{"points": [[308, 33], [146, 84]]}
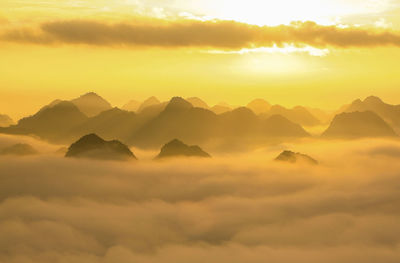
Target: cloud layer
{"points": [[217, 34], [244, 208]]}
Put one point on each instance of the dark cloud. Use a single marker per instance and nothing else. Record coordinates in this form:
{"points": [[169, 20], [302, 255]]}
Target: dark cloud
{"points": [[201, 34], [242, 208]]}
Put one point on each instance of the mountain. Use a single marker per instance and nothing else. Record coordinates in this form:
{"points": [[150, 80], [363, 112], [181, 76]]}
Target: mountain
{"points": [[390, 113], [5, 120], [176, 148], [259, 106], [149, 102], [358, 125], [197, 102], [292, 157], [324, 117], [179, 119], [93, 147], [299, 115], [280, 127], [19, 149], [51, 123], [241, 121], [91, 104], [113, 123], [132, 105], [219, 109]]}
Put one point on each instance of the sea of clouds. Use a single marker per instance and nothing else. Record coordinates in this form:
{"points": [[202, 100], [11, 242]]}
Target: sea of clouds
{"points": [[242, 207]]}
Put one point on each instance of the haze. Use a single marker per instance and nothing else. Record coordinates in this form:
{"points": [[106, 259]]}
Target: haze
{"points": [[199, 131]]}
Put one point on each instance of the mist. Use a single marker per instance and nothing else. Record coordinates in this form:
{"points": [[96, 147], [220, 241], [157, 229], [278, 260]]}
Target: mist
{"points": [[242, 207]]}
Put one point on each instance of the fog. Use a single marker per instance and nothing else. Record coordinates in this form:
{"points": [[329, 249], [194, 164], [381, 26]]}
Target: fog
{"points": [[239, 207]]}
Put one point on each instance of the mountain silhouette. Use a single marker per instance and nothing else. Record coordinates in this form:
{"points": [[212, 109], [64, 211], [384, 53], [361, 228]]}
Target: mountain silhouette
{"points": [[324, 117], [93, 147], [5, 120], [149, 102], [292, 157], [299, 115], [259, 106], [179, 119], [91, 104], [51, 123], [132, 105], [219, 109], [63, 122], [19, 149], [197, 102], [113, 123], [358, 125], [176, 148], [390, 113], [279, 126]]}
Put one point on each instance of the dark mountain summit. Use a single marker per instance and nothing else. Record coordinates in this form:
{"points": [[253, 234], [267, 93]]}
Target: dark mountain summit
{"points": [[93, 147], [358, 125], [292, 157], [91, 104], [176, 148], [20, 149]]}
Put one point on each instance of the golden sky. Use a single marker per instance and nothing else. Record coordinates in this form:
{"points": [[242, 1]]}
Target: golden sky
{"points": [[321, 53]]}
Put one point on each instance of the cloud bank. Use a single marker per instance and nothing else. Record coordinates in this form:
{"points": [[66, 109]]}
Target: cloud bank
{"points": [[215, 34], [242, 208]]}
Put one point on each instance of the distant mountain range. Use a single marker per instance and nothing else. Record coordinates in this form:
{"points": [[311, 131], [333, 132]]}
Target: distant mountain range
{"points": [[152, 123]]}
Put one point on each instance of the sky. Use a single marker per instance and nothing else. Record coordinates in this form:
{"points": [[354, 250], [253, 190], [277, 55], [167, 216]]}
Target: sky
{"points": [[320, 53]]}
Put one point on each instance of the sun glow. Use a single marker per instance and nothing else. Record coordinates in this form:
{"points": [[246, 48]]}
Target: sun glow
{"points": [[285, 11]]}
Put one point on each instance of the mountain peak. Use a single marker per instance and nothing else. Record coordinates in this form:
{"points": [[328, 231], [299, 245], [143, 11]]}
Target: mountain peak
{"points": [[197, 102], [176, 148], [178, 103], [259, 106], [90, 94], [373, 100], [93, 147], [148, 102], [292, 157], [359, 124], [91, 104]]}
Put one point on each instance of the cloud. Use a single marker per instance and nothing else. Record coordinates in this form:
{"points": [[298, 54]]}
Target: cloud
{"points": [[215, 34], [241, 208]]}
